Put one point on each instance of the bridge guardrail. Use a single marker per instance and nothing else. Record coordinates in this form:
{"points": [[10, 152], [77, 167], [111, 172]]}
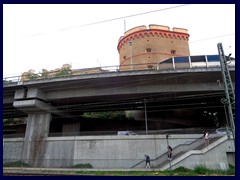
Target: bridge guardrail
{"points": [[30, 76]]}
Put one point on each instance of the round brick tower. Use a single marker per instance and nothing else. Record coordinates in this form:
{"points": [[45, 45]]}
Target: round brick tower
{"points": [[149, 46]]}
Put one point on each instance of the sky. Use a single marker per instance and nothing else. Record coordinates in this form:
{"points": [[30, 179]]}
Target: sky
{"points": [[46, 36]]}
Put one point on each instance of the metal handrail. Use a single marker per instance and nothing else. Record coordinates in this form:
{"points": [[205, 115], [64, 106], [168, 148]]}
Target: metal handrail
{"points": [[184, 144]]}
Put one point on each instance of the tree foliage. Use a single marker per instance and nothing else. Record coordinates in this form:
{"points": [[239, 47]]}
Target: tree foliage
{"points": [[30, 75], [118, 115], [64, 71]]}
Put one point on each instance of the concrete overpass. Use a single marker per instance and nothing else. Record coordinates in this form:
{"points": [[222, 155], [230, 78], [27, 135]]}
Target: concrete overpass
{"points": [[116, 91], [182, 88]]}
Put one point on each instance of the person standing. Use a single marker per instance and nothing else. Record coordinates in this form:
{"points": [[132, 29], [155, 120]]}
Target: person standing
{"points": [[147, 161], [169, 153], [206, 138], [204, 133]]}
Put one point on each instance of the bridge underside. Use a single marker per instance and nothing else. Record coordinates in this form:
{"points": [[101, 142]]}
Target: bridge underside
{"points": [[162, 92], [156, 101]]}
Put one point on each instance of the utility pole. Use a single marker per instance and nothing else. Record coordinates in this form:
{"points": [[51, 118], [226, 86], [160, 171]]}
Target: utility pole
{"points": [[228, 87]]}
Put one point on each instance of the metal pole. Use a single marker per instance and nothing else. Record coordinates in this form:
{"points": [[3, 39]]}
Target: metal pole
{"points": [[130, 43], [167, 136], [145, 110], [224, 102], [229, 91]]}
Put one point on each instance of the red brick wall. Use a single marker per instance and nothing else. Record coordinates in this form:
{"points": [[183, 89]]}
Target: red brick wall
{"points": [[161, 42]]}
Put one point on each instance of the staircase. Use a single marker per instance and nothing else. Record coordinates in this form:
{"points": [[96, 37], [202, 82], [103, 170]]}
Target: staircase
{"points": [[183, 151]]}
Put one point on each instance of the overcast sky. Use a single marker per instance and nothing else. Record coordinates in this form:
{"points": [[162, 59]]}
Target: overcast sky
{"points": [[48, 36]]}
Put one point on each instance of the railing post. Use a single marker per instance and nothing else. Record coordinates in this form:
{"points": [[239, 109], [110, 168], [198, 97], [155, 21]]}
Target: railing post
{"points": [[206, 59], [173, 63], [190, 62]]}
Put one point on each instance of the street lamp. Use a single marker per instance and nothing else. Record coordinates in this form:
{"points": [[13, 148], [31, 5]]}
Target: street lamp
{"points": [[130, 44], [167, 136]]}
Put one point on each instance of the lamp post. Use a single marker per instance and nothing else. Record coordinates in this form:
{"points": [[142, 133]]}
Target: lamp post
{"points": [[130, 44], [167, 136]]}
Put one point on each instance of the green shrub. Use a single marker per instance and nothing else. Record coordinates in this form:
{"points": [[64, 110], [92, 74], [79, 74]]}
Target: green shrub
{"points": [[16, 164], [87, 165], [8, 121], [117, 115], [231, 170], [64, 71], [181, 169], [201, 169]]}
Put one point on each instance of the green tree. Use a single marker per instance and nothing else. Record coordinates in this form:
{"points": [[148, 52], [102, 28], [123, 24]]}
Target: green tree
{"points": [[8, 121], [64, 71], [118, 115], [30, 75], [44, 73], [7, 81]]}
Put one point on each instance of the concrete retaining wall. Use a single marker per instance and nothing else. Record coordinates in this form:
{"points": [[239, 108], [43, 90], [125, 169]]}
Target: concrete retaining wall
{"points": [[12, 149], [215, 158], [109, 151]]}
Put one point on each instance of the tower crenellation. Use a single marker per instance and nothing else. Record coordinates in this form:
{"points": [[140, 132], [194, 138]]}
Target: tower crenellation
{"points": [[142, 45]]}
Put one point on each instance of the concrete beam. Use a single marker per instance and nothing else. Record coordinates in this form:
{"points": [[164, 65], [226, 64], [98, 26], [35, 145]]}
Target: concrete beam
{"points": [[29, 93], [132, 89], [19, 94], [36, 106], [35, 93], [33, 105]]}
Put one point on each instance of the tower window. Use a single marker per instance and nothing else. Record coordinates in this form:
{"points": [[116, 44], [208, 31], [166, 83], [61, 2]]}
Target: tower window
{"points": [[124, 57], [173, 51], [148, 50]]}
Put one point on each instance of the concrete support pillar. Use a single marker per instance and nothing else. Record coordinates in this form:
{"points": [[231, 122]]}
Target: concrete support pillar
{"points": [[32, 101], [34, 143]]}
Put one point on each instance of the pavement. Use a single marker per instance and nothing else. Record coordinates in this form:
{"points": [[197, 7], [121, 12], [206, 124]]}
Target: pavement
{"points": [[40, 170]]}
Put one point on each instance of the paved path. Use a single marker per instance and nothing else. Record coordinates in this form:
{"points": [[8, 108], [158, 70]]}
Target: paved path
{"points": [[18, 171]]}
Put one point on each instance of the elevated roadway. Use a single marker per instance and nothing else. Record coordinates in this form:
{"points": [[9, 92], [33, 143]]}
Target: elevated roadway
{"points": [[117, 90]]}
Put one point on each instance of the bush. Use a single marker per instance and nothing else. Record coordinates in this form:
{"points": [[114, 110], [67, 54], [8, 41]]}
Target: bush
{"points": [[64, 71], [16, 164], [117, 115], [87, 165], [181, 169], [201, 169], [231, 169], [8, 121]]}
